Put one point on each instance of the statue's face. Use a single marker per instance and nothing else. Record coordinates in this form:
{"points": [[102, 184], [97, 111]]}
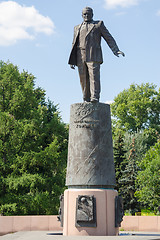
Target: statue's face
{"points": [[87, 15]]}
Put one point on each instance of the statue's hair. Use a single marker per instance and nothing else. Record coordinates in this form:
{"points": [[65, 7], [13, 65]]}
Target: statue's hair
{"points": [[88, 9]]}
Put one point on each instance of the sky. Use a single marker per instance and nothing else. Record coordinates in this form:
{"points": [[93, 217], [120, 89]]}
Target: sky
{"points": [[36, 35]]}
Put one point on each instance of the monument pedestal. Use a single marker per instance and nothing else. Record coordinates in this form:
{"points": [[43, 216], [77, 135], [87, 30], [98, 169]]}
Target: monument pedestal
{"points": [[105, 213], [90, 201]]}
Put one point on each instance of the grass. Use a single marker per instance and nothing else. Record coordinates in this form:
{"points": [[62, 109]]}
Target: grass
{"points": [[144, 212]]}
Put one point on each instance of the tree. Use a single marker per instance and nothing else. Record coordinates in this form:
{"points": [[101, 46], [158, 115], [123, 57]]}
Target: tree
{"points": [[119, 158], [127, 159], [33, 146], [128, 182], [137, 108], [148, 179], [142, 139], [135, 114]]}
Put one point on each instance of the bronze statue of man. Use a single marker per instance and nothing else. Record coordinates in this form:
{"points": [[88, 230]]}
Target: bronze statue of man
{"points": [[86, 53]]}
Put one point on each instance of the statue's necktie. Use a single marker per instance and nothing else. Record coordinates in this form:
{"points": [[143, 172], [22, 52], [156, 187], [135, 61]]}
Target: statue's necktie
{"points": [[83, 33], [86, 25]]}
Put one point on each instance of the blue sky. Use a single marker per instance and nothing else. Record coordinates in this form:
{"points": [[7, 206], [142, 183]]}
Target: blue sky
{"points": [[37, 36]]}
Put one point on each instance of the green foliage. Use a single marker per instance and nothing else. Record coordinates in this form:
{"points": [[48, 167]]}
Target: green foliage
{"points": [[135, 115], [33, 146], [119, 158], [147, 212], [127, 182], [137, 108], [129, 150], [148, 179], [142, 139]]}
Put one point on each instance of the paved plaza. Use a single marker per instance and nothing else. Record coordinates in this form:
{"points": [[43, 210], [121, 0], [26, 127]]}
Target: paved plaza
{"points": [[50, 235]]}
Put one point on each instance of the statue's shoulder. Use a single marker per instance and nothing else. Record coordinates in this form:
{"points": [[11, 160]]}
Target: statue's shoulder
{"points": [[77, 26], [98, 22]]}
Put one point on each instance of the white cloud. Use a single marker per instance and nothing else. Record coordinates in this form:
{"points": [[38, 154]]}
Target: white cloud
{"points": [[120, 3], [19, 22]]}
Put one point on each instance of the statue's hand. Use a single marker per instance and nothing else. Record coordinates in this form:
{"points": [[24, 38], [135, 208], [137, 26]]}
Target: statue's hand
{"points": [[119, 52], [72, 66]]}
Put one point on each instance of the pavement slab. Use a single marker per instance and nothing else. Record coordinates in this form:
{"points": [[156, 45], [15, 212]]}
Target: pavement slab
{"points": [[51, 235]]}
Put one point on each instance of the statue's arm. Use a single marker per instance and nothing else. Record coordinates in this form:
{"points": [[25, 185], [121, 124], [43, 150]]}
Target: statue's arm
{"points": [[74, 40], [110, 40]]}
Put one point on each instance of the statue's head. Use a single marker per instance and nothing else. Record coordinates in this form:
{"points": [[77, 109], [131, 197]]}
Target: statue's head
{"points": [[87, 14]]}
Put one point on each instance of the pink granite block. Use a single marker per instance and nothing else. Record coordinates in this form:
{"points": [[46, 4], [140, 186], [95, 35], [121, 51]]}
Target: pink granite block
{"points": [[54, 224], [105, 210], [158, 223], [110, 214], [148, 223], [39, 223], [21, 223], [6, 224], [130, 223]]}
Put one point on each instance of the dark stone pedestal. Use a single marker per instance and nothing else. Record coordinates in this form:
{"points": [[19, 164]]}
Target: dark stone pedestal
{"points": [[90, 151]]}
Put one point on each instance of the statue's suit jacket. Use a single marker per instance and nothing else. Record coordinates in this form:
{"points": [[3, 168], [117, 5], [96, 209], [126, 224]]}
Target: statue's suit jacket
{"points": [[96, 30]]}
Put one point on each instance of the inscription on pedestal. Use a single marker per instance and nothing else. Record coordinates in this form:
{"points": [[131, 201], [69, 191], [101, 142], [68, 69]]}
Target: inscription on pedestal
{"points": [[82, 114], [85, 211], [86, 124]]}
